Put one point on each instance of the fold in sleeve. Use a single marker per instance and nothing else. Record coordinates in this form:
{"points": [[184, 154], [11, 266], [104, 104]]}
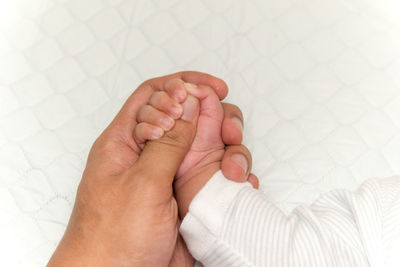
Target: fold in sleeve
{"points": [[231, 224]]}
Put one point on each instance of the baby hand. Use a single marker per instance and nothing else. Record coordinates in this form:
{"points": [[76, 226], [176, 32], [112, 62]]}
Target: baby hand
{"points": [[160, 113]]}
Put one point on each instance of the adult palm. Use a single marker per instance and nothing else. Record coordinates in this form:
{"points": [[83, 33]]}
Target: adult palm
{"points": [[125, 212]]}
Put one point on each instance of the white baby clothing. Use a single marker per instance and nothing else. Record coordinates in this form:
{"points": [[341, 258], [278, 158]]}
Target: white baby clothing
{"points": [[232, 224]]}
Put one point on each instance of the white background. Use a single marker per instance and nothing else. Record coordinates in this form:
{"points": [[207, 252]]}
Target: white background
{"points": [[318, 82]]}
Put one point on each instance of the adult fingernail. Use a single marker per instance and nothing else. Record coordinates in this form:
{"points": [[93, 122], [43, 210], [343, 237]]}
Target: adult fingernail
{"points": [[240, 160], [190, 108], [238, 122]]}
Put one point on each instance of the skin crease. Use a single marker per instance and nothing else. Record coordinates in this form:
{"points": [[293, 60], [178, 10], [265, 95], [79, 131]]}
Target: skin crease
{"points": [[206, 152], [125, 213]]}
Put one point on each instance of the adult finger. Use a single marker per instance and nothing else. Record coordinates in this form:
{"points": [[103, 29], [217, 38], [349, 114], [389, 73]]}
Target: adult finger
{"points": [[161, 158], [232, 125], [236, 163]]}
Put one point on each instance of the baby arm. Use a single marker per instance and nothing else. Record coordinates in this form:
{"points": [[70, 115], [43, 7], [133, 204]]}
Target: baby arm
{"points": [[231, 224]]}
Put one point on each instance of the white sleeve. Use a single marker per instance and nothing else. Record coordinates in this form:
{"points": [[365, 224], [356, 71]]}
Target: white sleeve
{"points": [[231, 224]]}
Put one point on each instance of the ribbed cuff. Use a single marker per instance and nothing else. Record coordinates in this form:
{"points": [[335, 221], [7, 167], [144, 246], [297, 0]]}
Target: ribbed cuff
{"points": [[202, 224]]}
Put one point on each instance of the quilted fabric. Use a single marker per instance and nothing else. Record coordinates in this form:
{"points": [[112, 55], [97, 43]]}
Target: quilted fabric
{"points": [[318, 83]]}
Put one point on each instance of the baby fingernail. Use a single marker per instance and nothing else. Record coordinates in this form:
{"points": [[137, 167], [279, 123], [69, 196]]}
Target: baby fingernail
{"points": [[176, 111], [167, 123], [240, 160], [238, 123], [190, 86], [157, 133], [180, 95]]}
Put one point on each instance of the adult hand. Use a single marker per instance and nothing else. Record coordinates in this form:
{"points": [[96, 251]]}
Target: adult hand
{"points": [[237, 160], [125, 213]]}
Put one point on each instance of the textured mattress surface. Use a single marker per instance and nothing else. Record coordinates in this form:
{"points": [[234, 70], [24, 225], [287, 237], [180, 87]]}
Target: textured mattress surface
{"points": [[317, 80]]}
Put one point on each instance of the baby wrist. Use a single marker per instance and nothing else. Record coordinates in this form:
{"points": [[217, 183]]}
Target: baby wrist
{"points": [[203, 223]]}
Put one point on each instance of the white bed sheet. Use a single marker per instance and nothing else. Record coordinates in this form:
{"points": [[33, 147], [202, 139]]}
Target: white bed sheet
{"points": [[318, 82]]}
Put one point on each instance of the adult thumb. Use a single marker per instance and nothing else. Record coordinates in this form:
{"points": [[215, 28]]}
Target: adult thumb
{"points": [[161, 158]]}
